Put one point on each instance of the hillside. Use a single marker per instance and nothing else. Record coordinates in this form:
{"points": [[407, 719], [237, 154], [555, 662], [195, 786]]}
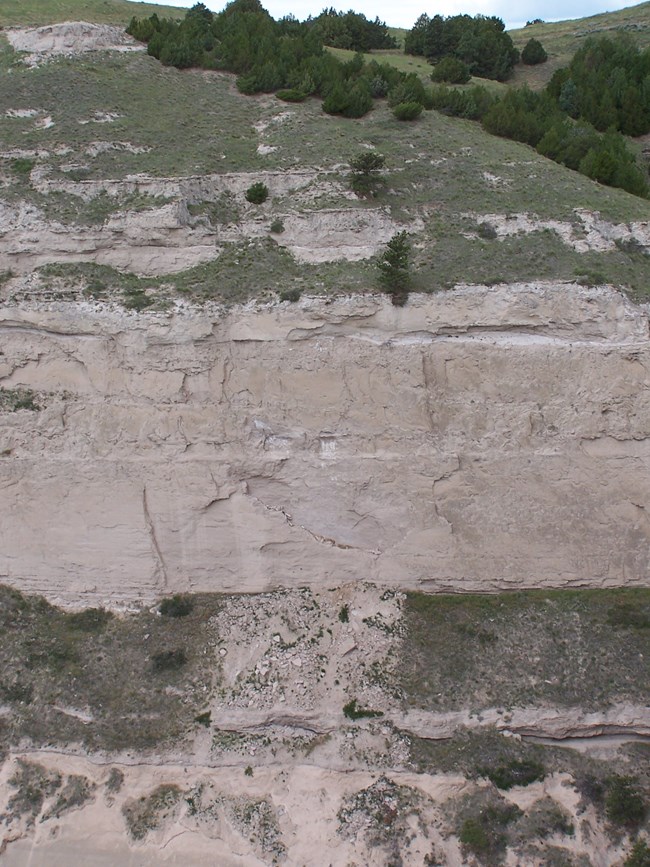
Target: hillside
{"points": [[563, 38], [34, 13], [286, 568]]}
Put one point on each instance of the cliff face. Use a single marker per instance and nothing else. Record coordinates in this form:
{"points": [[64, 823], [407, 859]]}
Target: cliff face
{"points": [[479, 439]]}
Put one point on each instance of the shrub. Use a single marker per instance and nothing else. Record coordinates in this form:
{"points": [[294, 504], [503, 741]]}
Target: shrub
{"points": [[533, 53], [137, 299], [624, 803], [590, 788], [204, 719], [639, 856], [292, 295], [169, 660], [628, 616], [115, 780], [475, 838], [451, 70], [277, 226], [14, 399], [336, 100], [19, 693], [176, 606], [367, 163], [344, 614], [352, 711], [483, 834], [291, 95], [359, 102], [90, 620], [486, 231], [257, 193], [407, 111], [349, 101], [408, 89], [472, 103], [148, 813], [22, 166], [378, 87], [514, 773]]}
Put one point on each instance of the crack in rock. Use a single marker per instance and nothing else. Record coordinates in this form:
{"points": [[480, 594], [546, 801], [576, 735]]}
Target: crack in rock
{"points": [[161, 570]]}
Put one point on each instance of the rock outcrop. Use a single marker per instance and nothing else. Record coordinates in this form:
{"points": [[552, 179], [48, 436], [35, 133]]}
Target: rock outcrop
{"points": [[67, 39], [480, 439]]}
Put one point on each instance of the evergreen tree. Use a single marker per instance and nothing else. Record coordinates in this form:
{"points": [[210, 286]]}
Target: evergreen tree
{"points": [[533, 53], [452, 70], [394, 272], [480, 42], [365, 173]]}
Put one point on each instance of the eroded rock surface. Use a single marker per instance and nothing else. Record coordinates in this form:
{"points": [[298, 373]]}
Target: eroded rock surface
{"points": [[479, 439], [587, 232], [167, 239], [69, 38]]}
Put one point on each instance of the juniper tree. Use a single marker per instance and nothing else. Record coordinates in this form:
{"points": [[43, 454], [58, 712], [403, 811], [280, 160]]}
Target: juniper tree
{"points": [[394, 273], [365, 175]]}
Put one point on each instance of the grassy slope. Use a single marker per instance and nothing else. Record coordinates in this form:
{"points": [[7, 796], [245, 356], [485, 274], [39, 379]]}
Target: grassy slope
{"points": [[31, 13], [559, 649], [439, 169], [560, 39], [563, 38], [107, 664]]}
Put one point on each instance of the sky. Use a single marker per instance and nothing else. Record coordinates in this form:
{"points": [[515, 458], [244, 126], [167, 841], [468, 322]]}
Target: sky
{"points": [[405, 13]]}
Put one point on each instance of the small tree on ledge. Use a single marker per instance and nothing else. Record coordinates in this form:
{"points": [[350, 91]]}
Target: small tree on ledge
{"points": [[366, 168], [257, 193], [394, 274]]}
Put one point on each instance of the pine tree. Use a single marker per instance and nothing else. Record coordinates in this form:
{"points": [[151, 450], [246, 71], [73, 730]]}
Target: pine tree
{"points": [[394, 274]]}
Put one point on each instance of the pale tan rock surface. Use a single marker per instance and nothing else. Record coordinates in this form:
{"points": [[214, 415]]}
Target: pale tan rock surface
{"points": [[588, 231], [166, 239], [479, 439], [69, 38], [279, 774]]}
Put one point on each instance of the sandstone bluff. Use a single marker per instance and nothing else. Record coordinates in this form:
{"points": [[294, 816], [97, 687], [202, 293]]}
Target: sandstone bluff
{"points": [[230, 501], [484, 438]]}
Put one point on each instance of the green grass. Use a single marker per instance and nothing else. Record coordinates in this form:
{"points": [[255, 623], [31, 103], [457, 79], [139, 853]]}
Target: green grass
{"points": [[435, 168], [103, 665], [563, 38], [33, 13], [557, 648], [259, 269], [395, 57], [15, 399], [159, 108], [408, 63], [148, 813], [476, 754]]}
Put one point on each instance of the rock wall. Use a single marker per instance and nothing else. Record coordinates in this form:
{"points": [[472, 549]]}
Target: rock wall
{"points": [[479, 439]]}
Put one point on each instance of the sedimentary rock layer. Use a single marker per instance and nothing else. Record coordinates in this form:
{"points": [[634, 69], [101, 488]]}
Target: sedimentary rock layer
{"points": [[479, 439]]}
